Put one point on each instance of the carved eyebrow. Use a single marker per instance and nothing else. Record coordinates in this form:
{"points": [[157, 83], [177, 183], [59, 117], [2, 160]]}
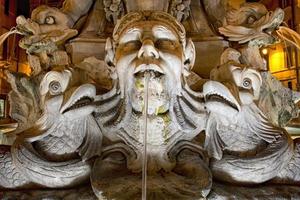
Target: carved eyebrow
{"points": [[131, 35], [163, 32]]}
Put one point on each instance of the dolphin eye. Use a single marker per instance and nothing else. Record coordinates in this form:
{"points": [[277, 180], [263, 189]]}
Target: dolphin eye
{"points": [[55, 88], [49, 20], [251, 19], [247, 83]]}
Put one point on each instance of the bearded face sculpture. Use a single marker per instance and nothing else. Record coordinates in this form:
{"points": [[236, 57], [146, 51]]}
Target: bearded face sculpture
{"points": [[149, 54], [144, 56], [149, 57], [156, 49]]}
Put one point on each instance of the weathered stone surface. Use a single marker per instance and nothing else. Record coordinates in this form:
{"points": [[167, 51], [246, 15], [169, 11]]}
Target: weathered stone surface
{"points": [[82, 193], [241, 26], [262, 192], [219, 192], [278, 102], [123, 117]]}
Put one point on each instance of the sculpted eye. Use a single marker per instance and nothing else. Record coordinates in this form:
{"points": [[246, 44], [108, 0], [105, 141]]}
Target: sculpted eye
{"points": [[132, 45], [55, 88], [165, 44], [251, 19], [49, 20], [247, 83]]}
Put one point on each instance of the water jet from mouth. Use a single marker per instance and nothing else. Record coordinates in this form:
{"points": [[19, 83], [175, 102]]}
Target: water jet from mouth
{"points": [[148, 75]]}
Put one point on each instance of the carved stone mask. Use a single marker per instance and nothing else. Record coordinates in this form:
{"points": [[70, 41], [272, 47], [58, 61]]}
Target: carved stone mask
{"points": [[155, 47]]}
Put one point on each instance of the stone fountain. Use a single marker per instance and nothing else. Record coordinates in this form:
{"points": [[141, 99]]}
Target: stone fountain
{"points": [[152, 100]]}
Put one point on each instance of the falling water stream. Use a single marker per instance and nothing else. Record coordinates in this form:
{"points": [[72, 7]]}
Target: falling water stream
{"points": [[289, 35], [144, 169], [7, 34]]}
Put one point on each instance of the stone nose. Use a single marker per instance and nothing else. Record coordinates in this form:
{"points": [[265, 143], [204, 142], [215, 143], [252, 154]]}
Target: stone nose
{"points": [[148, 50]]}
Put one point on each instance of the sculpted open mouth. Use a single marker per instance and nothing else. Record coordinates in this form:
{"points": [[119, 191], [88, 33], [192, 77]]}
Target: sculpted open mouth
{"points": [[155, 70], [271, 34], [83, 101], [219, 98], [273, 21], [214, 91], [150, 82], [268, 31], [26, 27], [24, 31], [83, 96]]}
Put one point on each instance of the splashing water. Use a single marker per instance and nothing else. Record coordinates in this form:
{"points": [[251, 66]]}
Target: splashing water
{"points": [[148, 75], [289, 35], [7, 34]]}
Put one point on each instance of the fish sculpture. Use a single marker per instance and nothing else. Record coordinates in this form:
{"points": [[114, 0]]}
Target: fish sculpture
{"points": [[252, 26], [46, 32], [245, 147], [249, 28], [61, 141]]}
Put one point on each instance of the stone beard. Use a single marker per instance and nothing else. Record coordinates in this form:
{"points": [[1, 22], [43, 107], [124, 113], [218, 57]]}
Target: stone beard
{"points": [[154, 49], [149, 60]]}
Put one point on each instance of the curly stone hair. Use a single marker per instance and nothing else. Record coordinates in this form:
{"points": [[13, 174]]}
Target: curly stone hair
{"points": [[159, 16]]}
